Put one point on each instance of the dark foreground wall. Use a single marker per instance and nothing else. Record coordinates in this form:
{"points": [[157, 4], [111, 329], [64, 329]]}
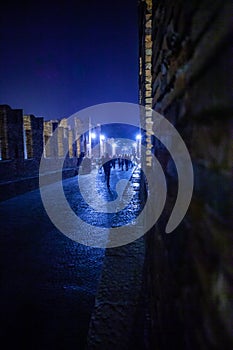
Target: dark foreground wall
{"points": [[189, 272]]}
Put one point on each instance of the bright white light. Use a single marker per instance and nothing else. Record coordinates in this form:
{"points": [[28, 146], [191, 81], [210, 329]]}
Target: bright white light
{"points": [[93, 135], [102, 137], [138, 137], [134, 144], [114, 145]]}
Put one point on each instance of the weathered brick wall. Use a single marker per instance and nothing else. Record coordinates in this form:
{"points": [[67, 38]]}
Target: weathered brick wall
{"points": [[189, 278], [22, 143], [13, 153]]}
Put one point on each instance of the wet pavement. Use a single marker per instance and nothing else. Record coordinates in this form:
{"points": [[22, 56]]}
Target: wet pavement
{"points": [[49, 282], [117, 321]]}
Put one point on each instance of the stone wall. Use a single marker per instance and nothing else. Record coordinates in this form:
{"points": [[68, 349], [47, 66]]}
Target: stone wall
{"points": [[189, 272], [22, 140]]}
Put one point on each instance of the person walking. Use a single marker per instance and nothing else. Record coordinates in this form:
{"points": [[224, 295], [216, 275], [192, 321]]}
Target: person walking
{"points": [[122, 163], [107, 168], [113, 162], [126, 162], [119, 161]]}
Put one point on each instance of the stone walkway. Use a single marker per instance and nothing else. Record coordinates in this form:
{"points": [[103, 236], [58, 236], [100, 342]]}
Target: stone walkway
{"points": [[49, 282], [116, 322]]}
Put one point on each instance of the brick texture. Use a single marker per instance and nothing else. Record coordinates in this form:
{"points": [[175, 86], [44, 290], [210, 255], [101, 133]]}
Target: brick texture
{"points": [[189, 272]]}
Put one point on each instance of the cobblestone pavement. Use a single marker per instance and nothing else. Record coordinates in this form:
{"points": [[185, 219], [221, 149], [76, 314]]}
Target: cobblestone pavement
{"points": [[117, 321], [49, 282]]}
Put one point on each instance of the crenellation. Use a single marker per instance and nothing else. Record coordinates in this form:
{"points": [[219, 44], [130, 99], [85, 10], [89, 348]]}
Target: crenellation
{"points": [[28, 143], [24, 139], [4, 146]]}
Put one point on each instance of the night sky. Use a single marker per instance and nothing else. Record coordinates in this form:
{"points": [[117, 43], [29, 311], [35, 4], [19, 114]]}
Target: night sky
{"points": [[58, 57]]}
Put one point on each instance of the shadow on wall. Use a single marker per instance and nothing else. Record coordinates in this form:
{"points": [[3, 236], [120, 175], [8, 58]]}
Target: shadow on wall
{"points": [[185, 58]]}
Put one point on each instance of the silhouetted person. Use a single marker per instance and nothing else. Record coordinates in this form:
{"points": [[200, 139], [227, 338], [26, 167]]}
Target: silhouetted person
{"points": [[126, 163], [107, 168], [101, 162], [113, 162], [119, 162], [122, 163]]}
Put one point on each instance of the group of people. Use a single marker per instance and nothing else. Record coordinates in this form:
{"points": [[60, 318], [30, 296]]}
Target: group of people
{"points": [[124, 163]]}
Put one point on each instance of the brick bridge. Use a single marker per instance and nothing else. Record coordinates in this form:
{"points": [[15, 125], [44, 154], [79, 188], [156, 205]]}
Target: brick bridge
{"points": [[161, 291]]}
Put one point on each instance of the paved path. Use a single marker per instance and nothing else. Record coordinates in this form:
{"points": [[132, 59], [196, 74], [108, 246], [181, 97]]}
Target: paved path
{"points": [[117, 321], [49, 282]]}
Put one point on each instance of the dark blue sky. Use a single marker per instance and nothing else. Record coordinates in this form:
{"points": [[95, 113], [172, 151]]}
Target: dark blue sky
{"points": [[58, 57]]}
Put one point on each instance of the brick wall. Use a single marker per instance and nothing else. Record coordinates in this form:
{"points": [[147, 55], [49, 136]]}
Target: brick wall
{"points": [[22, 140], [189, 272]]}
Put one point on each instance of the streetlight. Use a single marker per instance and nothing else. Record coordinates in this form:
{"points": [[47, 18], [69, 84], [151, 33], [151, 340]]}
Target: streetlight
{"points": [[135, 147], [93, 135], [102, 138], [139, 138], [114, 146]]}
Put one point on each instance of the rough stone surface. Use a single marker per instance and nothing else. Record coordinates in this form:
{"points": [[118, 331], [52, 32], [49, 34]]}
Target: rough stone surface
{"points": [[48, 281], [189, 272], [22, 142], [118, 318]]}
